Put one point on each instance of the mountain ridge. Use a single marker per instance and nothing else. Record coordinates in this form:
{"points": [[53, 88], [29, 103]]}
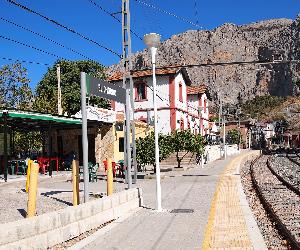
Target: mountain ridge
{"points": [[267, 40]]}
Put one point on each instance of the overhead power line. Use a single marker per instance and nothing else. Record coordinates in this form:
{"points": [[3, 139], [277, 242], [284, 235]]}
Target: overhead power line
{"points": [[223, 64], [29, 46], [183, 19], [63, 26], [113, 16], [24, 61], [42, 36]]}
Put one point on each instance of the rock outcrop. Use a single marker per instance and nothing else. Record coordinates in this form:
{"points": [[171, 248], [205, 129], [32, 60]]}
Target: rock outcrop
{"points": [[267, 41]]}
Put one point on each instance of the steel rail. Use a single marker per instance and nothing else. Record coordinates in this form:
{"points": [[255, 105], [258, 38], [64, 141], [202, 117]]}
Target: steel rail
{"points": [[282, 229]]}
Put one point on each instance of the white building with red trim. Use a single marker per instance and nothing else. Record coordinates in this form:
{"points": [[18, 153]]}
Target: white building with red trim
{"points": [[180, 105]]}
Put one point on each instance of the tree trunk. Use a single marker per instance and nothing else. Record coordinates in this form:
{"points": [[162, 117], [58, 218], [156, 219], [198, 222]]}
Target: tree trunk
{"points": [[178, 160]]}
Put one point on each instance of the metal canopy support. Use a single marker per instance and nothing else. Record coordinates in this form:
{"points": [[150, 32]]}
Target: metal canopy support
{"points": [[127, 63], [5, 145], [84, 136], [50, 148]]}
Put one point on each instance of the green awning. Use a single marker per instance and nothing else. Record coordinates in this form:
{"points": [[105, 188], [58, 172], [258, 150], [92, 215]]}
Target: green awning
{"points": [[43, 117], [30, 121]]}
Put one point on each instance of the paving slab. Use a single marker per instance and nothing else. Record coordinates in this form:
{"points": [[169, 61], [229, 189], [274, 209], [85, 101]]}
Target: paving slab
{"points": [[190, 190]]}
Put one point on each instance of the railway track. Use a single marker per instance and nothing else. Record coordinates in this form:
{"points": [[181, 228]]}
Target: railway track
{"points": [[279, 198]]}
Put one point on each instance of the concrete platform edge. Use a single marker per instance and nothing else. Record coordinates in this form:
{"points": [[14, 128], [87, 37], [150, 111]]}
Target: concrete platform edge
{"points": [[255, 235]]}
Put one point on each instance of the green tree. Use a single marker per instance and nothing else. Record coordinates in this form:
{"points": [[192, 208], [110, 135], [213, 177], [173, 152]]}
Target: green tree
{"points": [[233, 136], [261, 104], [185, 140], [29, 141], [14, 89], [145, 149], [46, 91]]}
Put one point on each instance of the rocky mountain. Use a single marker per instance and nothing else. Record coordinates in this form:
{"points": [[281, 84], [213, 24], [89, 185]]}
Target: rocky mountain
{"points": [[276, 40]]}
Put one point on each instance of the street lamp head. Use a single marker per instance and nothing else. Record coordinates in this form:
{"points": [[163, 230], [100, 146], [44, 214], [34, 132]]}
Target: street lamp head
{"points": [[152, 40]]}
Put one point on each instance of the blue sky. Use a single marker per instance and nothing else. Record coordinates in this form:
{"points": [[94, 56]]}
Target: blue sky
{"points": [[85, 18]]}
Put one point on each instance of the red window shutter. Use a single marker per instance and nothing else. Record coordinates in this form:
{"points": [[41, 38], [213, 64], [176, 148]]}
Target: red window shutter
{"points": [[180, 92]]}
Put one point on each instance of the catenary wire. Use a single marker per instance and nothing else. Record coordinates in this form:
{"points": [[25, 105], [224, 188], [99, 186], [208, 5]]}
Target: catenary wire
{"points": [[114, 17], [221, 64], [63, 26], [167, 12], [42, 36], [30, 46], [24, 61]]}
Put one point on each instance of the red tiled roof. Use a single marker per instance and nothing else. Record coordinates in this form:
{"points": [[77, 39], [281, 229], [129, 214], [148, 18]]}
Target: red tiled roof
{"points": [[194, 90], [118, 76]]}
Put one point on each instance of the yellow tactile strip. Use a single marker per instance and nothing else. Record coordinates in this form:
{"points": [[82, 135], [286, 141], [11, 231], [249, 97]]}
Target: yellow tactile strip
{"points": [[226, 227]]}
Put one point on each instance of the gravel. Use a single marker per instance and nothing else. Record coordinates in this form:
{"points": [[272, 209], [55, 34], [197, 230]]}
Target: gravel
{"points": [[267, 227], [286, 168]]}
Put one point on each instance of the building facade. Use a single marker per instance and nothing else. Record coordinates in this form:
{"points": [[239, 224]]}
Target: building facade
{"points": [[180, 105]]}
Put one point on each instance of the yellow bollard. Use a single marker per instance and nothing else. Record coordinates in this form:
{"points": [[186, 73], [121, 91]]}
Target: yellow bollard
{"points": [[75, 182], [28, 175], [110, 177], [33, 181]]}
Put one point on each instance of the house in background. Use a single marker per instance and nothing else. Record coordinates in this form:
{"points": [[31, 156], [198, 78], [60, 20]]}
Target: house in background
{"points": [[105, 140], [180, 105], [142, 129]]}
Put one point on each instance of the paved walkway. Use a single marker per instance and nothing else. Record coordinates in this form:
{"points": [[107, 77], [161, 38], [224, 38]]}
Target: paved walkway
{"points": [[217, 218], [148, 229], [227, 224]]}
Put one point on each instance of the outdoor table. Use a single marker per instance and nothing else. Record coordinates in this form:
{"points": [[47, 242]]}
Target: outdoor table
{"points": [[45, 161]]}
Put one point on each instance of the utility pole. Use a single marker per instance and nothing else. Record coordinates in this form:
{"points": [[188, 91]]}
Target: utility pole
{"points": [[127, 77], [59, 107], [224, 135], [238, 114], [220, 119]]}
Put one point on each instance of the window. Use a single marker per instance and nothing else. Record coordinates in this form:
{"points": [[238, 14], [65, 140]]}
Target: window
{"points": [[204, 108], [121, 144], [180, 92], [140, 91]]}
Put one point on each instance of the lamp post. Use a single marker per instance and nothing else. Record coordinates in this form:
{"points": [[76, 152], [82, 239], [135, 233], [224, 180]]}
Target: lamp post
{"points": [[152, 41], [224, 133], [238, 113], [200, 109]]}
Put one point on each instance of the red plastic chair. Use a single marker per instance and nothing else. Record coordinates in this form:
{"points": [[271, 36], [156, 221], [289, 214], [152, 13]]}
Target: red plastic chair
{"points": [[113, 167]]}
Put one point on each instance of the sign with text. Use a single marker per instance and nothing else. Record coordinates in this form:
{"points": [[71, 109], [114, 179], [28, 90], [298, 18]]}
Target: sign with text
{"points": [[97, 87]]}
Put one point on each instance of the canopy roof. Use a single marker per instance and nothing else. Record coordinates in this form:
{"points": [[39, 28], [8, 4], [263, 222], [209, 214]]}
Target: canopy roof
{"points": [[28, 120]]}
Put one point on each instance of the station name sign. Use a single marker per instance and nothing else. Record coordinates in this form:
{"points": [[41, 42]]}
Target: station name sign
{"points": [[105, 89]]}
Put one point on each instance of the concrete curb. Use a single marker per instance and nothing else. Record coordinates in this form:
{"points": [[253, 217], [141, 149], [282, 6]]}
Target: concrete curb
{"points": [[47, 230], [253, 229]]}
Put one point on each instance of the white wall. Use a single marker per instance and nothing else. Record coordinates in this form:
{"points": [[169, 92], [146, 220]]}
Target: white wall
{"points": [[163, 104], [162, 90]]}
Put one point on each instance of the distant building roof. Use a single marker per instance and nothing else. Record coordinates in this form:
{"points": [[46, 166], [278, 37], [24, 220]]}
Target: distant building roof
{"points": [[118, 76], [194, 90]]}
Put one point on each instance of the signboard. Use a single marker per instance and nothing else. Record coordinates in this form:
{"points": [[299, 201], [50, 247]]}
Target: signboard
{"points": [[97, 87]]}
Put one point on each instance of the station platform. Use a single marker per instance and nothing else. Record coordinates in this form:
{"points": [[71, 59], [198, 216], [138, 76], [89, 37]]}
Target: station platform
{"points": [[231, 224], [203, 208]]}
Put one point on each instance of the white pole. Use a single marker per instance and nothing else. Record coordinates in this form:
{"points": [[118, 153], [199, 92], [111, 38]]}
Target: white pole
{"points": [[85, 149], [224, 138], [128, 149], [59, 107], [158, 186], [249, 145]]}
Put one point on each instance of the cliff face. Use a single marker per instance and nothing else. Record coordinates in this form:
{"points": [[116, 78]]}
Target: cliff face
{"points": [[277, 39]]}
